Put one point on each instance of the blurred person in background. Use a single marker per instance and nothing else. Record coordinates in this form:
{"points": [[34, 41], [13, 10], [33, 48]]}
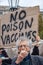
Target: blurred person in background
{"points": [[36, 45], [3, 56]]}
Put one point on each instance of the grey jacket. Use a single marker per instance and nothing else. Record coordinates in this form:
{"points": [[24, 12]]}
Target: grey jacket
{"points": [[36, 60]]}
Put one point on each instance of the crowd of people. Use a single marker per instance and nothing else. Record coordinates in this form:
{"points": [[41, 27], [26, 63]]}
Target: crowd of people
{"points": [[24, 57]]}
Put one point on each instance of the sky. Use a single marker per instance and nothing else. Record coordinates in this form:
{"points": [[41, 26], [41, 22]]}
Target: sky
{"points": [[24, 3]]}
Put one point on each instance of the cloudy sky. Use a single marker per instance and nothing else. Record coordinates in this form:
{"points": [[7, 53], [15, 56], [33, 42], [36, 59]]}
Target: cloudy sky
{"points": [[23, 3]]}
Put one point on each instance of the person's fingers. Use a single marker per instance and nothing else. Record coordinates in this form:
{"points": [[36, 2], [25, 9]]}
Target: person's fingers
{"points": [[19, 59], [21, 56], [24, 54]]}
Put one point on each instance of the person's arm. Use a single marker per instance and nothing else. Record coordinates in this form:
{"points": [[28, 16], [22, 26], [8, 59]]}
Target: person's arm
{"points": [[41, 41], [20, 58]]}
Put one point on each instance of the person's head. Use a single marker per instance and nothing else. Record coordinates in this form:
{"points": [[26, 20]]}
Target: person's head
{"points": [[23, 44]]}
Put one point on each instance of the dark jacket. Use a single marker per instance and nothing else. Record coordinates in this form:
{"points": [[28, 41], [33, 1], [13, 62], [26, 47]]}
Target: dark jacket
{"points": [[35, 51], [35, 60]]}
